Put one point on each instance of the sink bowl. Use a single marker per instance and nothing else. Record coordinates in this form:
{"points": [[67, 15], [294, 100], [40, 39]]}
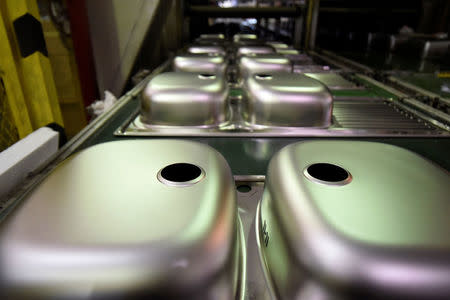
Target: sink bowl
{"points": [[244, 50], [129, 219], [206, 49], [365, 220], [263, 63], [200, 63], [287, 99], [185, 99]]}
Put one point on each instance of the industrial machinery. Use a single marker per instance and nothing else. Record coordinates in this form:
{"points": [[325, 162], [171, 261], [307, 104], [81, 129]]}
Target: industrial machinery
{"points": [[244, 167]]}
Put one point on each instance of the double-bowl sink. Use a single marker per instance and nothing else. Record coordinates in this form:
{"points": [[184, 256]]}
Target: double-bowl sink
{"points": [[196, 92], [159, 219], [276, 89], [271, 99]]}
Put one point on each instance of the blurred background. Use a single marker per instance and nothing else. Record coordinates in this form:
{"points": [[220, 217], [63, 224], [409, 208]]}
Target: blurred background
{"points": [[101, 45]]}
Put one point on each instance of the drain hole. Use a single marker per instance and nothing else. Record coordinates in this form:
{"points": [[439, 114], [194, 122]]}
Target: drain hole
{"points": [[180, 174], [206, 76], [263, 76], [244, 188], [327, 174]]}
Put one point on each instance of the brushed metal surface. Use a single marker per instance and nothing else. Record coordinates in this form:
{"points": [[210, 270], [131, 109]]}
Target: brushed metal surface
{"points": [[242, 37], [433, 49], [185, 99], [351, 118], [287, 99], [200, 63], [288, 51], [205, 49], [263, 63], [333, 81], [218, 36], [383, 234], [245, 50], [102, 224], [277, 45]]}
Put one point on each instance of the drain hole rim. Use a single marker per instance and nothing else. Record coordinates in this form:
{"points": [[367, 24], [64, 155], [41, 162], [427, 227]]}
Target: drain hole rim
{"points": [[314, 179], [172, 183], [263, 76], [206, 76]]}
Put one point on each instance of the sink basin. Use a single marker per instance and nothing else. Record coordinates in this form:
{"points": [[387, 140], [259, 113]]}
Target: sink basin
{"points": [[206, 49], [185, 99], [244, 50], [200, 63], [263, 63], [365, 220], [129, 219], [287, 99]]}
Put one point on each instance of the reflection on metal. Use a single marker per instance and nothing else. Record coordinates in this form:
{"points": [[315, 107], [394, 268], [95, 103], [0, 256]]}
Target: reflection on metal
{"points": [[185, 99], [149, 239], [288, 51], [429, 113], [408, 95], [334, 81], [287, 99], [242, 12], [200, 63], [243, 37], [351, 118], [277, 45], [218, 36], [413, 88], [245, 50], [263, 64], [204, 49], [311, 24], [333, 234]]}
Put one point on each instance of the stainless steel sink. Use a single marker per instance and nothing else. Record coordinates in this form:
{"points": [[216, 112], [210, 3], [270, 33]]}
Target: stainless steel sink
{"points": [[185, 99], [356, 220], [263, 63], [287, 99], [245, 50], [206, 49], [200, 63], [129, 219]]}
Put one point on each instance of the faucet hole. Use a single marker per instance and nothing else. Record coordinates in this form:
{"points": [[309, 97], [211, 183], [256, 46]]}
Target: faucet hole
{"points": [[263, 76], [206, 76], [326, 173], [181, 174]]}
